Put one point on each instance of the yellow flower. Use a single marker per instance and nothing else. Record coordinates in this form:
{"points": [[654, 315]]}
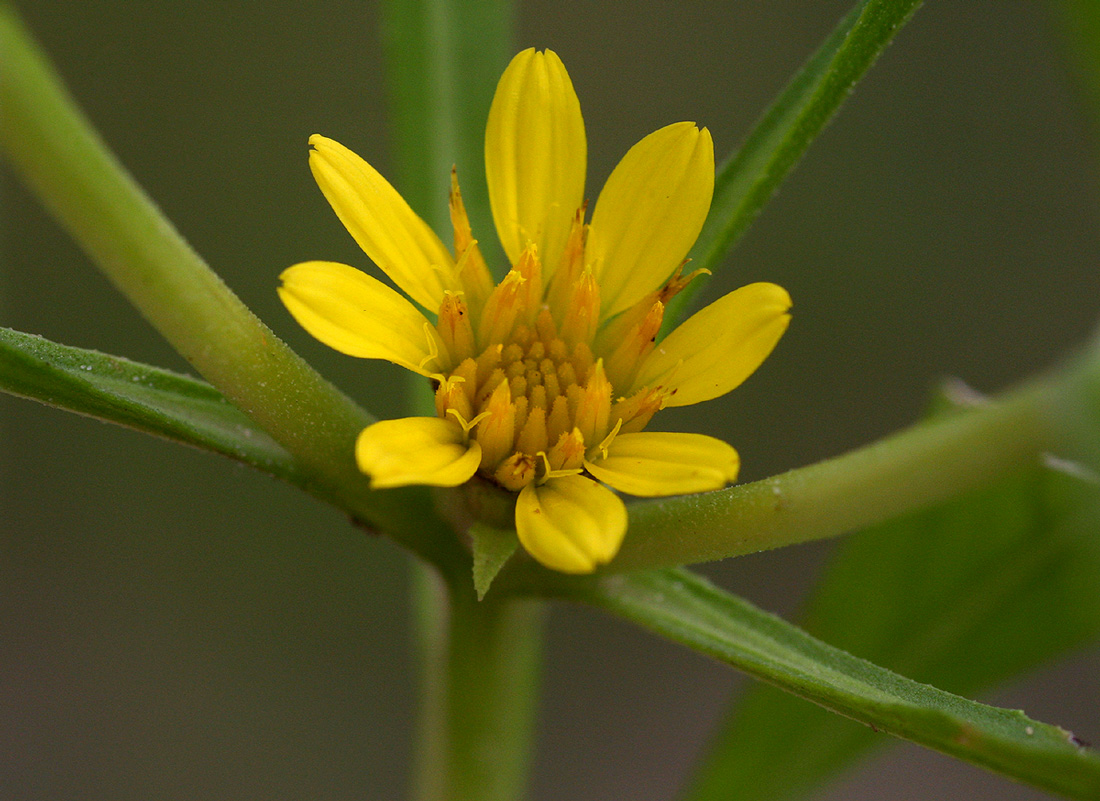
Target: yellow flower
{"points": [[544, 382]]}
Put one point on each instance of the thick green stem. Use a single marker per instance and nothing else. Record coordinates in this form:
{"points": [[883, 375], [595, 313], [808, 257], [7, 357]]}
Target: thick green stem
{"points": [[915, 468], [480, 662], [64, 161]]}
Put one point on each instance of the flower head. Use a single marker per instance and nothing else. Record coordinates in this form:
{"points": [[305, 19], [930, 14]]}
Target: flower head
{"points": [[544, 381]]}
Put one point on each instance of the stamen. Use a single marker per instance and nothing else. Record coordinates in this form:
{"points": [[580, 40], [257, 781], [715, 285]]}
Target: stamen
{"points": [[433, 349], [603, 446], [548, 473], [462, 420]]}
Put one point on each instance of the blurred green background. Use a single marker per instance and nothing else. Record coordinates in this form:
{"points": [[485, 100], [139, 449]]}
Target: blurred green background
{"points": [[173, 626]]}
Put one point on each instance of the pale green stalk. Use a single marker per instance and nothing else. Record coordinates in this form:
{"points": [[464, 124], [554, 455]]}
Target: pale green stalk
{"points": [[63, 160]]}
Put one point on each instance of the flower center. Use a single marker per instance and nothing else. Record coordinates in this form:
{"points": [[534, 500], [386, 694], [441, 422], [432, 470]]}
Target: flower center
{"points": [[528, 371], [533, 402]]}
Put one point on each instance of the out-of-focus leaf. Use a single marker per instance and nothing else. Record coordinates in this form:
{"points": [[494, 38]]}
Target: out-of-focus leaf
{"points": [[689, 610], [1081, 22], [443, 61], [962, 596], [747, 179], [138, 396]]}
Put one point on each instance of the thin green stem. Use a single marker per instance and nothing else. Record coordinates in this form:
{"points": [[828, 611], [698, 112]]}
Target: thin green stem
{"points": [[430, 632]]}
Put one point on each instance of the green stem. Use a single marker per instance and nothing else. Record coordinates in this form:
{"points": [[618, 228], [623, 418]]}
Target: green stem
{"points": [[430, 631], [479, 688], [915, 468], [61, 158], [444, 58]]}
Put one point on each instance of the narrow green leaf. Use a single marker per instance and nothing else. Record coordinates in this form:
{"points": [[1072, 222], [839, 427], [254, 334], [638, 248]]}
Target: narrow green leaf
{"points": [[1081, 22], [138, 396], [689, 610], [962, 596], [747, 179], [492, 548]]}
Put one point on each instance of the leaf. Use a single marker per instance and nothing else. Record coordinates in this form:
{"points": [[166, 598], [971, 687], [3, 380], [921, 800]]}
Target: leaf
{"points": [[962, 596], [747, 179], [138, 396], [689, 610], [1080, 20], [492, 548]]}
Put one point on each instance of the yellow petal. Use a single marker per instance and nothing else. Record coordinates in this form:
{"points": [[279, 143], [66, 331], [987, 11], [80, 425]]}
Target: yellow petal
{"points": [[416, 450], [650, 212], [383, 224], [719, 347], [535, 156], [360, 316], [665, 463], [571, 524]]}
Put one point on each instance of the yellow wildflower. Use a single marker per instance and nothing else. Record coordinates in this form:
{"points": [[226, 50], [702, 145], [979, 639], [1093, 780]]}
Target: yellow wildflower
{"points": [[543, 382]]}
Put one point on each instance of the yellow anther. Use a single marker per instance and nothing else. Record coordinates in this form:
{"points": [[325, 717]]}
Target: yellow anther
{"points": [[582, 314], [470, 269], [502, 309], [496, 431], [451, 396], [568, 452], [455, 328], [515, 472]]}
